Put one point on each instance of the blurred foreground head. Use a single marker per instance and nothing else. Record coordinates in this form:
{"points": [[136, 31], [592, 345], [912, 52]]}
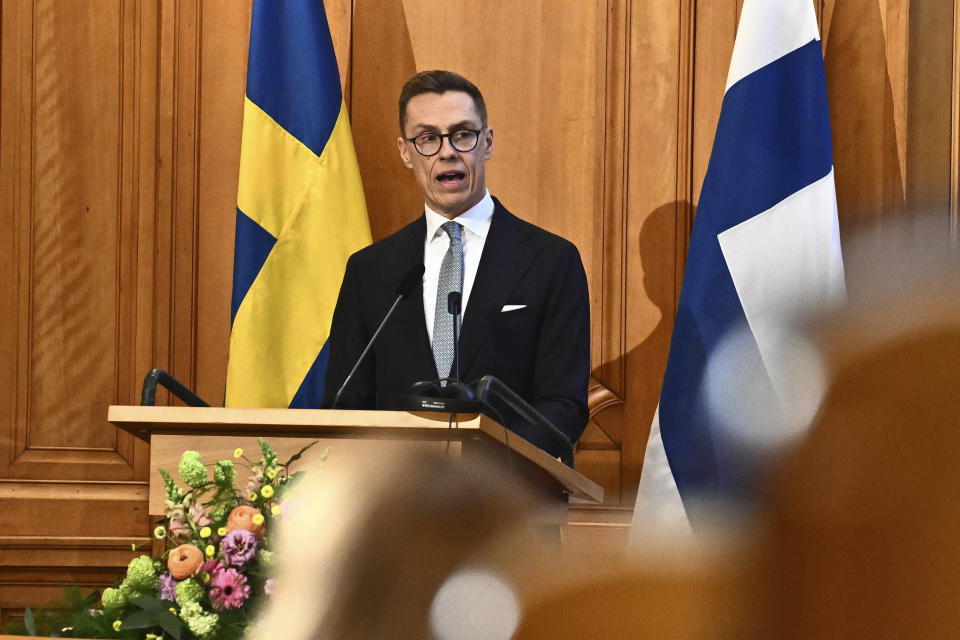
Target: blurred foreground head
{"points": [[395, 550], [864, 525]]}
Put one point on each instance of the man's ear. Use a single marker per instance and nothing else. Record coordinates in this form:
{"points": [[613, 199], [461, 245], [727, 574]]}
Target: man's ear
{"points": [[488, 144], [404, 152]]}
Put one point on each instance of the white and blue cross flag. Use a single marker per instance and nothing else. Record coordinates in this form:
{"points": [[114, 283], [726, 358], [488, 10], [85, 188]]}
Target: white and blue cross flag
{"points": [[765, 238]]}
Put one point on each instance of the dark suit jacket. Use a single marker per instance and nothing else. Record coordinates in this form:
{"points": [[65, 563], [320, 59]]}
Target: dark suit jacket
{"points": [[541, 351]]}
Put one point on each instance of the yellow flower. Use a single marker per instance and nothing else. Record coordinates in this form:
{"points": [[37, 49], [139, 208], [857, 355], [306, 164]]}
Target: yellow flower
{"points": [[116, 625], [257, 519], [205, 577], [160, 533], [210, 551], [238, 453], [275, 510], [205, 532], [267, 492], [151, 636], [252, 497], [271, 473], [222, 531]]}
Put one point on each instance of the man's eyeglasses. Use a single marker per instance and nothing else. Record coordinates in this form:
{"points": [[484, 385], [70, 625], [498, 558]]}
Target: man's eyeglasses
{"points": [[428, 144]]}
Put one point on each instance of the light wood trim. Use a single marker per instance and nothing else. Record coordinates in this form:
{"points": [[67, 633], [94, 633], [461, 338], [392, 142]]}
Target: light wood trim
{"points": [[584, 515], [600, 397], [71, 542], [955, 129], [576, 484], [141, 421], [69, 490], [685, 167], [213, 422], [610, 325]]}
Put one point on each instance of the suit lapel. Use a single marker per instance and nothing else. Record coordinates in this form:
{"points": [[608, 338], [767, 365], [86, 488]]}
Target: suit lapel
{"points": [[409, 315], [505, 258]]}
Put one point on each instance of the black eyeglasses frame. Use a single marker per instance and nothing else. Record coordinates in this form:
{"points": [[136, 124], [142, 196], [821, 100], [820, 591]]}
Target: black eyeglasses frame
{"points": [[475, 132]]}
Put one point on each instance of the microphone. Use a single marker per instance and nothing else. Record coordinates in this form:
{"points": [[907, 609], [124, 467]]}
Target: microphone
{"points": [[446, 393], [453, 307], [404, 289]]}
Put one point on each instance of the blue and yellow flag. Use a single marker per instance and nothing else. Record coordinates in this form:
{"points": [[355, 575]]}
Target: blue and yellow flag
{"points": [[300, 209]]}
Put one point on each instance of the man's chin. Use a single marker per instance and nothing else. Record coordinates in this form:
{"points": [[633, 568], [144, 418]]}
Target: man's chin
{"points": [[450, 207], [453, 204]]}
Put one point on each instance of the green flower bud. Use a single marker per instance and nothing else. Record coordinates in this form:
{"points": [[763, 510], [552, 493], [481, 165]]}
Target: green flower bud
{"points": [[269, 457], [220, 513], [224, 473], [265, 557], [188, 591], [174, 493], [113, 599], [141, 574], [191, 469], [200, 624]]}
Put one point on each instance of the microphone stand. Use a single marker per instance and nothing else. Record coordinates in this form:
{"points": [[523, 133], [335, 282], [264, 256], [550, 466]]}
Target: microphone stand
{"points": [[453, 306], [363, 355], [404, 289]]}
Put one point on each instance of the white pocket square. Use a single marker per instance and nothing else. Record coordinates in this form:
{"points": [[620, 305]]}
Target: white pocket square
{"points": [[512, 307]]}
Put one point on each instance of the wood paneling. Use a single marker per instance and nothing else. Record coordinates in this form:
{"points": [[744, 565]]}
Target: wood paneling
{"points": [[955, 128], [99, 190]]}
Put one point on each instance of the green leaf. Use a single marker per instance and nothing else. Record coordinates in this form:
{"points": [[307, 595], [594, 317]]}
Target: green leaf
{"points": [[92, 598], [171, 624], [299, 454], [29, 622], [154, 613]]}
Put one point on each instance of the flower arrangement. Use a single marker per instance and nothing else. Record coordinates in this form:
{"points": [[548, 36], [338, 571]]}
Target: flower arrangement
{"points": [[214, 573]]}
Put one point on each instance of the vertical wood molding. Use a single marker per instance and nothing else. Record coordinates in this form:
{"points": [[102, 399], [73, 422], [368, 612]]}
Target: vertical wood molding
{"points": [[611, 366], [955, 129], [684, 197], [175, 302]]}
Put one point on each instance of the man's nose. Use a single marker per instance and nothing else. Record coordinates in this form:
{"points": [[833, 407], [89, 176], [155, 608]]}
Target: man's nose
{"points": [[446, 148]]}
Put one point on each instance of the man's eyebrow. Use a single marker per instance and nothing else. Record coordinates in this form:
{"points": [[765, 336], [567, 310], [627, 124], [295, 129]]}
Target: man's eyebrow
{"points": [[463, 124]]}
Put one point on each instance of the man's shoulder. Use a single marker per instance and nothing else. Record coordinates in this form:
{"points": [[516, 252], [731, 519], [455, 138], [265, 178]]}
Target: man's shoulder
{"points": [[397, 243]]}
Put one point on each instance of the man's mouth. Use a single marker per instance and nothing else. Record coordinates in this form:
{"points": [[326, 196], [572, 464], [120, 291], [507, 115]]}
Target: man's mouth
{"points": [[451, 178]]}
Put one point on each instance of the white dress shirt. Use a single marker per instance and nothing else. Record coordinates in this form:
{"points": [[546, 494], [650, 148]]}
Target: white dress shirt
{"points": [[476, 223]]}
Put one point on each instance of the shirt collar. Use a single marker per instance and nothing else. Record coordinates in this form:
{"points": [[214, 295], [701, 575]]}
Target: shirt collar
{"points": [[476, 219]]}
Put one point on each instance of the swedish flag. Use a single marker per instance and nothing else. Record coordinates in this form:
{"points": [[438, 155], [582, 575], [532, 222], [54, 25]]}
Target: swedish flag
{"points": [[300, 209]]}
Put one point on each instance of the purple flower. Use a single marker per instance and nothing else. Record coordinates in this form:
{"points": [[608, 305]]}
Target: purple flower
{"points": [[269, 586], [200, 515], [238, 547], [179, 529], [228, 589], [211, 567], [167, 587]]}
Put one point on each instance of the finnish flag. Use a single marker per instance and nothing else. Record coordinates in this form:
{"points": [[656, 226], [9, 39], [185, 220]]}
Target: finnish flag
{"points": [[765, 239]]}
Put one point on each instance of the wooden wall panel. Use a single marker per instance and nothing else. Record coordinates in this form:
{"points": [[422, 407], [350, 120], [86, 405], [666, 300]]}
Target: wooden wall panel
{"points": [[98, 113], [66, 225]]}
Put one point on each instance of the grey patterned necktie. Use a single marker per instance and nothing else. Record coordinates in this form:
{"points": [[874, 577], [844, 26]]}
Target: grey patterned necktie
{"points": [[451, 279]]}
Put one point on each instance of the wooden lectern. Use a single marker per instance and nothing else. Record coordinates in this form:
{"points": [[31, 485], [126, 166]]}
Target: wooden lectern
{"points": [[354, 438]]}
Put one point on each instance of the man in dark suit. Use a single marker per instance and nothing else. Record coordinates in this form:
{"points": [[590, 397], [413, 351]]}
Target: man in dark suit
{"points": [[526, 316]]}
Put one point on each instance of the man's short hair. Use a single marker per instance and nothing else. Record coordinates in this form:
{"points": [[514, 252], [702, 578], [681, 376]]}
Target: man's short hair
{"points": [[439, 81]]}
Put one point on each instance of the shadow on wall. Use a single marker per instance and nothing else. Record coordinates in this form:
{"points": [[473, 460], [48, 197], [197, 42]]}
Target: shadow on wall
{"points": [[382, 61], [641, 369]]}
